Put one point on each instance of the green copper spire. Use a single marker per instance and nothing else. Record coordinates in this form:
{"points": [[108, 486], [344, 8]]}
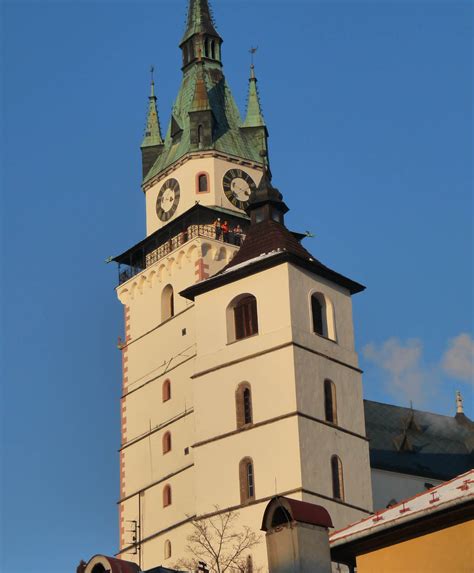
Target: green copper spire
{"points": [[153, 130], [254, 110], [200, 20]]}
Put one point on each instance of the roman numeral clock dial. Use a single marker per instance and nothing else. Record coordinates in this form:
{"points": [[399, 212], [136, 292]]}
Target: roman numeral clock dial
{"points": [[238, 185], [168, 199]]}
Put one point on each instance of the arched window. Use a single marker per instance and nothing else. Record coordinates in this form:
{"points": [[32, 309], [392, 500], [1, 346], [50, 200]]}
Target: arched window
{"points": [[330, 405], [167, 303], [202, 186], [166, 442], [243, 405], [337, 478], [206, 50], [166, 390], [167, 549], [242, 320], [249, 564], [322, 313], [213, 50], [166, 495], [247, 480]]}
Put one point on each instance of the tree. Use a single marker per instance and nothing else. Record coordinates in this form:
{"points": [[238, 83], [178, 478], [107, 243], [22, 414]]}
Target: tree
{"points": [[217, 542]]}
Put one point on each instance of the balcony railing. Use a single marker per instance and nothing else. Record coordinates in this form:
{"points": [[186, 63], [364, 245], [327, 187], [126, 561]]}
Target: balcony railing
{"points": [[144, 260]]}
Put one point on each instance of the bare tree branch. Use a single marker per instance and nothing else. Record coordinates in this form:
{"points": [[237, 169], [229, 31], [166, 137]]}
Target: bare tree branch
{"points": [[220, 544]]}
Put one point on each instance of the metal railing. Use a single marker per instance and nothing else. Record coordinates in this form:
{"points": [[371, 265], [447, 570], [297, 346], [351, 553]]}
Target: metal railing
{"points": [[208, 231]]}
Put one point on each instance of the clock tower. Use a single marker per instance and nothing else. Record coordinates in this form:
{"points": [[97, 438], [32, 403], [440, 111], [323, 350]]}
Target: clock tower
{"points": [[240, 378], [208, 155]]}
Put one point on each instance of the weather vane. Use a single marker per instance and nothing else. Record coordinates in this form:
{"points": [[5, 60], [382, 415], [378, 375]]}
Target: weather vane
{"points": [[252, 53]]}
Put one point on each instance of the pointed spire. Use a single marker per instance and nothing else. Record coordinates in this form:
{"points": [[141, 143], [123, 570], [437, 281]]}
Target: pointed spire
{"points": [[254, 116], [200, 20], [153, 130]]}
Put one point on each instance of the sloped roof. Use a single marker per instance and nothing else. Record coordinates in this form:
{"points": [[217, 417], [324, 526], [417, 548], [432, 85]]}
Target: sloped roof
{"points": [[228, 137], [418, 443], [455, 492], [199, 20]]}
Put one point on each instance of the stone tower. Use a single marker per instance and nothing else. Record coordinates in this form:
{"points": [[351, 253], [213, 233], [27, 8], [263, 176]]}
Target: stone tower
{"points": [[240, 379]]}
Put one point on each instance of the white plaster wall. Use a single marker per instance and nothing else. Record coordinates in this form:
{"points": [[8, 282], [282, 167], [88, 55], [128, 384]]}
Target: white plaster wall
{"points": [[270, 288], [145, 462], [185, 174], [311, 371], [276, 458], [271, 374], [302, 285], [393, 485], [145, 407], [318, 443]]}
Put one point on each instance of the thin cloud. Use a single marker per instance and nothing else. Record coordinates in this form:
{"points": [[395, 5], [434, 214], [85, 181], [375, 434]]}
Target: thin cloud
{"points": [[401, 362], [458, 360]]}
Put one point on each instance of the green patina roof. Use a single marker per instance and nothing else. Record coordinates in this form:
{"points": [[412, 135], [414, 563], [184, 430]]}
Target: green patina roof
{"points": [[199, 20], [254, 117], [152, 130], [228, 136]]}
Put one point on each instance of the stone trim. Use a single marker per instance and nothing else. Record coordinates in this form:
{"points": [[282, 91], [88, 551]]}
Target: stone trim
{"points": [[237, 507], [157, 429], [167, 477], [198, 155], [123, 419], [202, 270], [274, 349], [277, 419], [162, 373]]}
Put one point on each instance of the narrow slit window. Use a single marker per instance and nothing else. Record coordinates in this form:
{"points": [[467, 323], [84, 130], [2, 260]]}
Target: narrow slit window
{"points": [[166, 496], [330, 409], [166, 391], [166, 443], [337, 478], [247, 406], [317, 311], [247, 480]]}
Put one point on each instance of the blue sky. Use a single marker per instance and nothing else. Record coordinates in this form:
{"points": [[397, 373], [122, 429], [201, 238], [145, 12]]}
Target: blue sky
{"points": [[369, 111]]}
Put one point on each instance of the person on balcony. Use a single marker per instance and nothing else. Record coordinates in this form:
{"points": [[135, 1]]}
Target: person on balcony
{"points": [[237, 235], [225, 231], [218, 228]]}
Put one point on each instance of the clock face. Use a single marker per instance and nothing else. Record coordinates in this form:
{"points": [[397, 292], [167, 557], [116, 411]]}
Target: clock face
{"points": [[168, 199], [237, 186]]}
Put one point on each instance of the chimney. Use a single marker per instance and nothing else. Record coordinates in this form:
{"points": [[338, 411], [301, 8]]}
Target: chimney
{"points": [[297, 536]]}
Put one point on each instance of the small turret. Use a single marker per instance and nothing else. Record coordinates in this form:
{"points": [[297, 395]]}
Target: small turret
{"points": [[254, 124], [200, 38], [152, 143]]}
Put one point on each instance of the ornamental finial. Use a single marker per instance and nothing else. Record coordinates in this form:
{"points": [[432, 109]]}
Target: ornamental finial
{"points": [[459, 403]]}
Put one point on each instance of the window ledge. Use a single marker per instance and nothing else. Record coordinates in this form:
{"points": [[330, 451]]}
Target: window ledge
{"points": [[240, 339], [325, 337]]}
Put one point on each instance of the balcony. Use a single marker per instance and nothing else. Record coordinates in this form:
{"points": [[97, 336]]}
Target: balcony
{"points": [[198, 222]]}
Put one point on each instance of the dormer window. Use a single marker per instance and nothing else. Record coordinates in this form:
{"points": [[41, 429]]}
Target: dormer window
{"points": [[259, 214]]}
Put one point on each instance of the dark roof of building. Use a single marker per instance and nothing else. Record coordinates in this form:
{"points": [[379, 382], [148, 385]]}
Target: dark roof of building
{"points": [[266, 237], [418, 443], [281, 510]]}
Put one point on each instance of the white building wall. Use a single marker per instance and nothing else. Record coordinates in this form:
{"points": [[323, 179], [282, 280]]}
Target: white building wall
{"points": [[388, 486]]}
